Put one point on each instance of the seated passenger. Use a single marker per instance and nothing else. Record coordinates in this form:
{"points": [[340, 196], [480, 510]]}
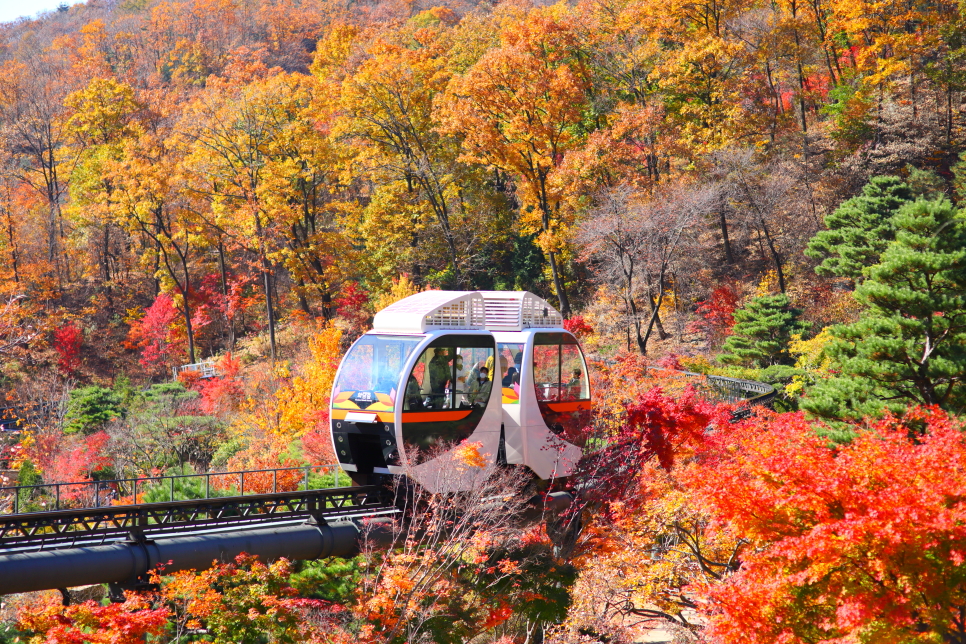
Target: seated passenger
{"points": [[480, 389], [414, 398], [573, 386], [508, 378], [440, 376]]}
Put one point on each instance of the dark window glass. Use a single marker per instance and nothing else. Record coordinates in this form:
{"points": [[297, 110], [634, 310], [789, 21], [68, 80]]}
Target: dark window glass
{"points": [[374, 364], [561, 385], [453, 374], [546, 371]]}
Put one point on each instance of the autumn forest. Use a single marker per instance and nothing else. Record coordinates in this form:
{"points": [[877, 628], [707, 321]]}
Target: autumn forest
{"points": [[768, 191]]}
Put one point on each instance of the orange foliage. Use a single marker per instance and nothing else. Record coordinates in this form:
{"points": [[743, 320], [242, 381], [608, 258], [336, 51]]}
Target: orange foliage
{"points": [[126, 623]]}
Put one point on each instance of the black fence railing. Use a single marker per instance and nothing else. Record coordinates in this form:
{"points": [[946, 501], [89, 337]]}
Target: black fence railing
{"points": [[735, 390], [79, 527], [47, 497]]}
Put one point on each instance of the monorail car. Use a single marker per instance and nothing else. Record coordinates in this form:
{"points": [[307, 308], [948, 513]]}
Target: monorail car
{"points": [[442, 367]]}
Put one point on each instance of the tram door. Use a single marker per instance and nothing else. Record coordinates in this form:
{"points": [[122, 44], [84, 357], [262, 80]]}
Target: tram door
{"points": [[445, 396], [561, 385]]}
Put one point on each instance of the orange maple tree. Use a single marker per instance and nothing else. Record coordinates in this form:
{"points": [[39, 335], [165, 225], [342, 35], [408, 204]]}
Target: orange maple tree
{"points": [[865, 541]]}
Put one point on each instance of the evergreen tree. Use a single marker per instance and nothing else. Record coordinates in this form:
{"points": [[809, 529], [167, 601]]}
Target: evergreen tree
{"points": [[910, 346], [925, 183], [89, 409], [762, 331], [860, 229]]}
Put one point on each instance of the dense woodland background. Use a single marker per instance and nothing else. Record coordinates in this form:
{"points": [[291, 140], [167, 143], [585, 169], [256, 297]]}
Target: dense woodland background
{"points": [[767, 190]]}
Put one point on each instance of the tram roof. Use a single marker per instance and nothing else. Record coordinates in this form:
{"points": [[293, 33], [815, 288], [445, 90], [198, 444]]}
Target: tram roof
{"points": [[467, 310]]}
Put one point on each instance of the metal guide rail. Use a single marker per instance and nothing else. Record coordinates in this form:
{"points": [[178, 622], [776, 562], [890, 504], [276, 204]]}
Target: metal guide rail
{"points": [[728, 390], [89, 526], [734, 390]]}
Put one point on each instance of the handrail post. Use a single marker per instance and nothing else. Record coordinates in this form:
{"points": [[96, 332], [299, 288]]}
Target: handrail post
{"points": [[274, 481], [172, 488], [207, 485], [57, 502], [307, 477], [242, 492], [337, 468], [16, 501]]}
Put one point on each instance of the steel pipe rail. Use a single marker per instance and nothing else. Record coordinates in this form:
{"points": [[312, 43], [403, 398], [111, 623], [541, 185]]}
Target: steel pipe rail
{"points": [[127, 563]]}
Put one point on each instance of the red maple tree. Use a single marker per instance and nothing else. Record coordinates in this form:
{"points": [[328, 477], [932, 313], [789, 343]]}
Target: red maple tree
{"points": [[67, 343], [156, 334], [717, 314]]}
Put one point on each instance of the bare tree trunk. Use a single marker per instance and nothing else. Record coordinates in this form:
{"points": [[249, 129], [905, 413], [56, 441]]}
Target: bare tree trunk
{"points": [[558, 285], [949, 107], [230, 322], [723, 222], [185, 290], [14, 258], [776, 257], [657, 307], [106, 252], [269, 308], [656, 312]]}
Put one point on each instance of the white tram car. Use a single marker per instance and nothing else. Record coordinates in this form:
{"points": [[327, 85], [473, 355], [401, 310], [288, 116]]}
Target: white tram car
{"points": [[439, 368]]}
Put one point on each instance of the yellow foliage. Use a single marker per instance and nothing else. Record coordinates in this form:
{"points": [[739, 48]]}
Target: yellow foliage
{"points": [[269, 421], [469, 454], [768, 284], [811, 359], [304, 402], [401, 288], [333, 51]]}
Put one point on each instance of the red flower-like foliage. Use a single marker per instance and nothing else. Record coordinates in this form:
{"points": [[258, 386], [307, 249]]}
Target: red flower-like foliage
{"points": [[656, 426], [578, 326], [156, 334], [67, 343], [351, 307], [717, 314]]}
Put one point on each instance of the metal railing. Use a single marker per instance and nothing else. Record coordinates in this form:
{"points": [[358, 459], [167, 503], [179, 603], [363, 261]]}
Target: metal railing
{"points": [[89, 526], [725, 389], [733, 390], [205, 369], [14, 419], [46, 497]]}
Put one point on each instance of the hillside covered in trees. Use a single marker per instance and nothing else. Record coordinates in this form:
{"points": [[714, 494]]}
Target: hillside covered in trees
{"points": [[765, 190]]}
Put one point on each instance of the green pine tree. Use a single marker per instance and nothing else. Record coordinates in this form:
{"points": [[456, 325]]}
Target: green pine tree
{"points": [[860, 229], [910, 345], [762, 331], [89, 409]]}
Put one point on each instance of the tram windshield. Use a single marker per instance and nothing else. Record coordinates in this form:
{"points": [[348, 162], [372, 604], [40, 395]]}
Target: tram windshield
{"points": [[374, 365]]}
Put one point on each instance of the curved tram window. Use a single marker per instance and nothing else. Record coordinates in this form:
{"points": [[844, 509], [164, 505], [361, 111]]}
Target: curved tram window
{"points": [[508, 370], [561, 385], [447, 391], [371, 372]]}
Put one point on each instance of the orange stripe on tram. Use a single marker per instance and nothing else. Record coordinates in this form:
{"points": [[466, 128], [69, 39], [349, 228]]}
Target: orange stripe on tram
{"points": [[434, 416], [570, 406]]}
